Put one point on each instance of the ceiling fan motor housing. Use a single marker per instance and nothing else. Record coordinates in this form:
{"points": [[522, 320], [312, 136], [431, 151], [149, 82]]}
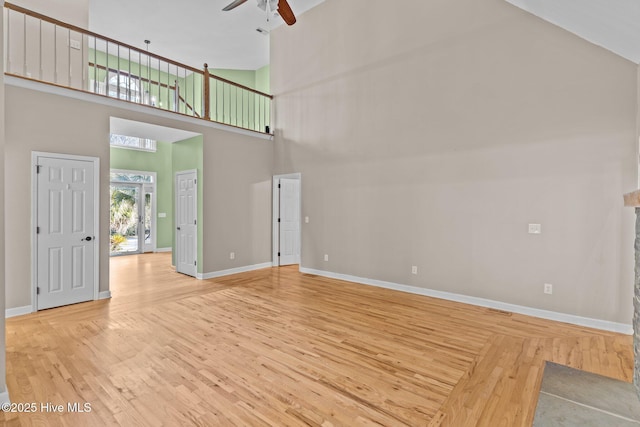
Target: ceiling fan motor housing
{"points": [[281, 6]]}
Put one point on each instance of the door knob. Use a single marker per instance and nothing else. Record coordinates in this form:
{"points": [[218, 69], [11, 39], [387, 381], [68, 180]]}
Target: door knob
{"points": [[88, 238], [178, 228]]}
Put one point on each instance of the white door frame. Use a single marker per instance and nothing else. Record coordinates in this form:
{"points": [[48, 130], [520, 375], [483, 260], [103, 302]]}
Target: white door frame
{"points": [[154, 201], [34, 220], [175, 216], [275, 234], [153, 246]]}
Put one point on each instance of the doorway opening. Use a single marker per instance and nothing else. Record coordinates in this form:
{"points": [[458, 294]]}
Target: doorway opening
{"points": [[132, 212], [286, 219], [143, 160]]}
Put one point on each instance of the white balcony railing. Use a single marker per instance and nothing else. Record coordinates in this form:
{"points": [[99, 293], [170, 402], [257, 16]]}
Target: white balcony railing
{"points": [[50, 51]]}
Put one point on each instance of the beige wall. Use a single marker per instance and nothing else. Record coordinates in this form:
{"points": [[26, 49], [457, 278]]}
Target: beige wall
{"points": [[638, 123], [75, 12], [40, 50], [237, 202], [37, 121], [431, 134], [2, 218]]}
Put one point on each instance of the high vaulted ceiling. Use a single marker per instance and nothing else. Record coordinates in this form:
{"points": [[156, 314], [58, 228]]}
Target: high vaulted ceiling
{"points": [[611, 24], [192, 32], [198, 31]]}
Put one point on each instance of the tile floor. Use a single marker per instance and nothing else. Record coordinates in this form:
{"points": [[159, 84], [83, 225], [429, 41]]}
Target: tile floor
{"points": [[570, 397]]}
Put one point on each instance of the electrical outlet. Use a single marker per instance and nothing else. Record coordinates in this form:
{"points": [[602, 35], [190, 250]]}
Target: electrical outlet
{"points": [[232, 255], [306, 220], [326, 257], [414, 269], [548, 288], [535, 229]]}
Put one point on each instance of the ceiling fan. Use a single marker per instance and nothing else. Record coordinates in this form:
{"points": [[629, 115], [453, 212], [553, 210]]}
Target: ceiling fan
{"points": [[283, 8]]}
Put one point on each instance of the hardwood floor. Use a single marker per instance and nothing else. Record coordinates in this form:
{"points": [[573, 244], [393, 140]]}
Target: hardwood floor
{"points": [[275, 347]]}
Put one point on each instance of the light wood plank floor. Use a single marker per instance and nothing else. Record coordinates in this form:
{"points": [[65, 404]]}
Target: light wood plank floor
{"points": [[276, 348]]}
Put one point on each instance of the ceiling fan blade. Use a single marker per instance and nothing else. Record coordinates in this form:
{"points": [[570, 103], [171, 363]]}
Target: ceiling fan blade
{"points": [[233, 5], [286, 13]]}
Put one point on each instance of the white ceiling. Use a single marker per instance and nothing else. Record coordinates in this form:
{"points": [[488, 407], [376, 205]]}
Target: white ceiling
{"points": [[230, 40], [202, 32], [612, 24], [192, 32]]}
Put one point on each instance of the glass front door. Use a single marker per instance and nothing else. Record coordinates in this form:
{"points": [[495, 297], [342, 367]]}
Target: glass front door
{"points": [[126, 218]]}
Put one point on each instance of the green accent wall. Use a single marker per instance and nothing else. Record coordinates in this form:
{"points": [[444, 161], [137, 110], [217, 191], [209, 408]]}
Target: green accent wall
{"points": [[237, 107], [229, 104], [165, 162], [161, 80], [187, 155], [263, 79], [255, 79], [243, 77], [160, 163], [190, 85]]}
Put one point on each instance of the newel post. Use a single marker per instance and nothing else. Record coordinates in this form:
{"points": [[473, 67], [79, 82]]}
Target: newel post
{"points": [[633, 200], [206, 94]]}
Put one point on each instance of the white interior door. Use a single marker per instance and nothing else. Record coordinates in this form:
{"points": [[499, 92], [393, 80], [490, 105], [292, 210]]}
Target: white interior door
{"points": [[186, 222], [65, 231], [289, 221]]}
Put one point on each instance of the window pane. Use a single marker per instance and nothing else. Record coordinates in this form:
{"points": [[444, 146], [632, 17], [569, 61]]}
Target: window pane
{"points": [[128, 177], [132, 142], [148, 238]]}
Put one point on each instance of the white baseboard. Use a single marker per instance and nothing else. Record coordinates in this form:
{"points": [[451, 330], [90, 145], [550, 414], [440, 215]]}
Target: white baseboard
{"points": [[104, 295], [27, 309], [529, 311], [18, 311], [230, 271], [4, 396], [169, 249]]}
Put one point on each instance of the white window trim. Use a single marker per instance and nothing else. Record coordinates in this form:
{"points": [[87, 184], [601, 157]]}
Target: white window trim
{"points": [[131, 147]]}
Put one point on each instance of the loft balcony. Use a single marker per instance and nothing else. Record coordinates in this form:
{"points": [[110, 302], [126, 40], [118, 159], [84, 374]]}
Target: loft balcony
{"points": [[53, 52]]}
